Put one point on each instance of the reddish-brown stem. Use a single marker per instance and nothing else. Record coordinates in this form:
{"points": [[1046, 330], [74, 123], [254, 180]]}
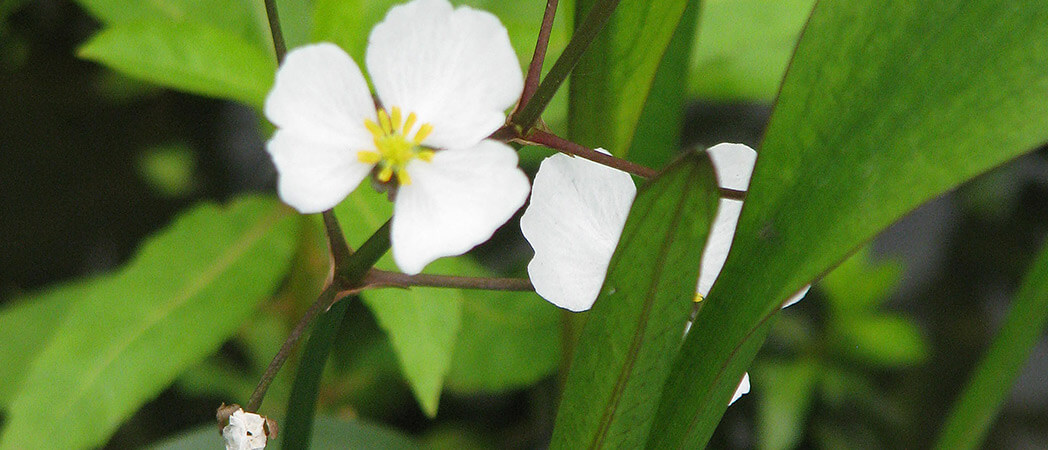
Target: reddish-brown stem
{"points": [[340, 251], [380, 278], [531, 83], [558, 143]]}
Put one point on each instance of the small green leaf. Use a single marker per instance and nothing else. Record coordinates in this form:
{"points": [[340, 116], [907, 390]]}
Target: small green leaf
{"points": [[880, 341], [611, 81], [860, 285], [508, 340], [785, 393], [185, 56], [982, 398], [637, 322], [134, 332], [912, 100]]}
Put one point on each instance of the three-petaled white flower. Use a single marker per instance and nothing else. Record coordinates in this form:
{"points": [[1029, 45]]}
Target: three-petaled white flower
{"points": [[245, 431], [444, 77]]}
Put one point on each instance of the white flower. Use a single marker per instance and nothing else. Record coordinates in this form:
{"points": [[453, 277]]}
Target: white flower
{"points": [[743, 389], [245, 431], [577, 211], [444, 78]]}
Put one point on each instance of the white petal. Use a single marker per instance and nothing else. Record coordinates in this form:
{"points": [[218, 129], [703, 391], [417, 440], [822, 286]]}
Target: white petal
{"points": [[733, 164], [245, 431], [796, 297], [574, 221], [722, 233], [455, 202], [320, 93], [314, 175], [454, 68], [743, 389]]}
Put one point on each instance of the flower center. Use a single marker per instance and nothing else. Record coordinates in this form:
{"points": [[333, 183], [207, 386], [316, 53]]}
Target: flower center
{"points": [[394, 148]]}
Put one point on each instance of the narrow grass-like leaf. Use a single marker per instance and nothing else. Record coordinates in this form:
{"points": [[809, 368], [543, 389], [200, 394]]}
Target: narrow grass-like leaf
{"points": [[611, 81], [911, 100], [185, 293], [978, 405], [637, 322], [186, 56]]}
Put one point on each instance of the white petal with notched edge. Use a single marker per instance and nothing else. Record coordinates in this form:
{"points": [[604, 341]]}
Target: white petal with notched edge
{"points": [[455, 202], [454, 68], [577, 212], [245, 431]]}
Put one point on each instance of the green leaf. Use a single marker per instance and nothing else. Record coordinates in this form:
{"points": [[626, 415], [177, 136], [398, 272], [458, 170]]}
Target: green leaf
{"points": [[27, 326], [880, 341], [859, 285], [785, 394], [328, 432], [658, 136], [508, 340], [744, 46], [239, 17], [637, 322], [185, 293], [185, 56], [913, 99], [611, 81], [982, 398]]}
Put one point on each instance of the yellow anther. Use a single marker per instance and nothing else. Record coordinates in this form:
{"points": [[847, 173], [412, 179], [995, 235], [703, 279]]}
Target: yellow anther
{"points": [[368, 157], [374, 129], [425, 155], [385, 174], [698, 297], [383, 119], [423, 132], [396, 118], [410, 122], [403, 177]]}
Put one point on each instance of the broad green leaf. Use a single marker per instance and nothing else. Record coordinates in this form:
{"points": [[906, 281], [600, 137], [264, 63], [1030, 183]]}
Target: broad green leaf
{"points": [[858, 286], [27, 325], [744, 46], [637, 322], [611, 81], [992, 380], [186, 56], [911, 100], [658, 136], [328, 432], [238, 17], [508, 340], [785, 391], [187, 291], [880, 340]]}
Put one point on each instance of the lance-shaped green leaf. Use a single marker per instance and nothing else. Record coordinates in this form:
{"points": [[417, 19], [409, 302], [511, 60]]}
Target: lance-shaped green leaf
{"points": [[886, 106], [978, 405], [186, 292], [238, 17], [186, 56], [611, 81], [637, 323]]}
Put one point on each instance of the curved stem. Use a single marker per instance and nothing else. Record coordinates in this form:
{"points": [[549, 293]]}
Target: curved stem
{"points": [[558, 143]]}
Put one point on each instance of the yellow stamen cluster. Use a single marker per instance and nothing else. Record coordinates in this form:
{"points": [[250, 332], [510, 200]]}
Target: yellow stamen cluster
{"points": [[393, 147], [698, 298]]}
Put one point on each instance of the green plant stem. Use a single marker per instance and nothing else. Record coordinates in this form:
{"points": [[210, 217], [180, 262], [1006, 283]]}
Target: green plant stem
{"points": [[584, 35], [274, 29], [978, 405], [535, 68]]}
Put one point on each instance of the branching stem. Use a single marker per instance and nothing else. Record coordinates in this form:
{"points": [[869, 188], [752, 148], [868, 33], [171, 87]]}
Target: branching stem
{"points": [[381, 278], [531, 83]]}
